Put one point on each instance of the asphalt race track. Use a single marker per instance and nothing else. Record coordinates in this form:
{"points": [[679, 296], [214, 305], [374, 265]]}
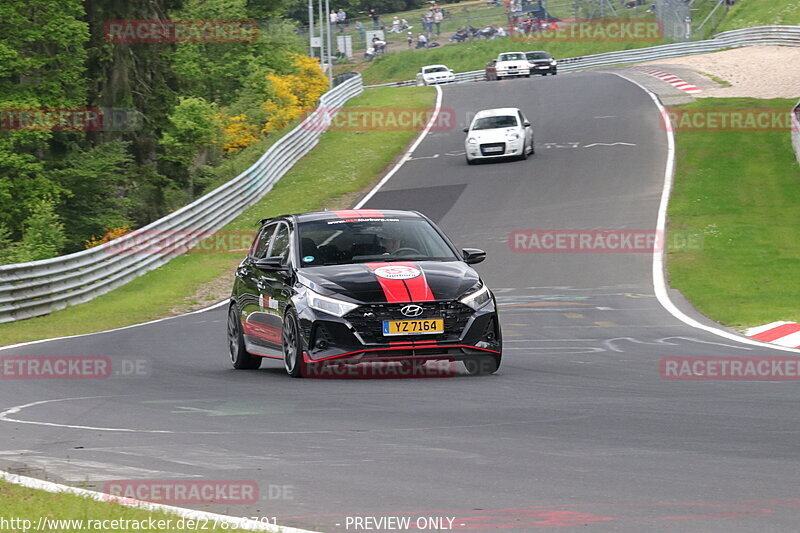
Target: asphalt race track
{"points": [[577, 431]]}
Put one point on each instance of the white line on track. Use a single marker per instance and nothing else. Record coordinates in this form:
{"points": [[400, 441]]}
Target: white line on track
{"points": [[659, 283], [406, 156]]}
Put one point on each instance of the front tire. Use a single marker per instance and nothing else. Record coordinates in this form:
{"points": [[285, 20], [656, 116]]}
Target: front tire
{"points": [[481, 365], [292, 345], [470, 161], [240, 357]]}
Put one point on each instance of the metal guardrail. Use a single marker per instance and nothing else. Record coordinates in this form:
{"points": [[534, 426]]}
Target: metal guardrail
{"points": [[796, 131], [759, 35], [39, 287]]}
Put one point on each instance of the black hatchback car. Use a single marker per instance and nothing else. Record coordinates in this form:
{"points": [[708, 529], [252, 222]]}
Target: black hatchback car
{"points": [[353, 286], [542, 63]]}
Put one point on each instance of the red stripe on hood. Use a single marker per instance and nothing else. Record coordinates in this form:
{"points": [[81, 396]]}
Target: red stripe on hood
{"points": [[404, 290]]}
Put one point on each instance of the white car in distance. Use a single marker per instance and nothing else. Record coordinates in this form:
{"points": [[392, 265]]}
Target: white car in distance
{"points": [[512, 64], [498, 133], [435, 74]]}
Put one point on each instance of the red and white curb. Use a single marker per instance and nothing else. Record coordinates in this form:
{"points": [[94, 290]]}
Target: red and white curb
{"points": [[780, 333], [672, 79]]}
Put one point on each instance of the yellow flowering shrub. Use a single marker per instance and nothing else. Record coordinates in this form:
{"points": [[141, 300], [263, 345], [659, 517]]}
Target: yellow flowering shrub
{"points": [[237, 133]]}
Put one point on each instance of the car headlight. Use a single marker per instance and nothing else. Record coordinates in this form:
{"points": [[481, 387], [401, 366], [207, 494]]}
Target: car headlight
{"points": [[326, 304], [472, 140], [553, 62], [513, 136], [477, 299]]}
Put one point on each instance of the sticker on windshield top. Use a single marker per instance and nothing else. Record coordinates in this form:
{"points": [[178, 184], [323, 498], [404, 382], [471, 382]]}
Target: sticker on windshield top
{"points": [[397, 272], [308, 259]]}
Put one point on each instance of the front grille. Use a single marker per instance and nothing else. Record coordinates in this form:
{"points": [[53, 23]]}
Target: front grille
{"points": [[501, 151], [370, 327]]}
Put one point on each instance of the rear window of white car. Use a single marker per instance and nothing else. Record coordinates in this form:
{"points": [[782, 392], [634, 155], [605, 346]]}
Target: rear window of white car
{"points": [[489, 123], [435, 69], [512, 57]]}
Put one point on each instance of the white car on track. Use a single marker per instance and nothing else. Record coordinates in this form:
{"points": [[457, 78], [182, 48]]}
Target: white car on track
{"points": [[496, 133], [435, 74], [511, 64]]}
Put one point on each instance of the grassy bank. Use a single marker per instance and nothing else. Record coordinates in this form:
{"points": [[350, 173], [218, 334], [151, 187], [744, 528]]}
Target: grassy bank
{"points": [[741, 192], [474, 56], [343, 163], [74, 512], [761, 13]]}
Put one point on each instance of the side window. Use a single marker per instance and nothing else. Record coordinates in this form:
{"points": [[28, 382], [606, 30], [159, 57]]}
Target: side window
{"points": [[261, 242], [280, 244], [521, 118]]}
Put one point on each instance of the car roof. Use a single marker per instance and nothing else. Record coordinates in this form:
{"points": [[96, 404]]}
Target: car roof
{"points": [[348, 214], [538, 52], [499, 112], [504, 53], [431, 66]]}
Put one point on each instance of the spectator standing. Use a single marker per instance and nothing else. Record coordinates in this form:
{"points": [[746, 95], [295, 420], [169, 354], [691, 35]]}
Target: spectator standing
{"points": [[334, 19], [362, 32], [376, 22], [421, 40], [427, 21], [410, 39], [341, 19], [438, 17]]}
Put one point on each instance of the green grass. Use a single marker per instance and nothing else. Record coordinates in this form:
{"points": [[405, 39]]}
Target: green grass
{"points": [[474, 55], [747, 13], [343, 163], [741, 192], [21, 503]]}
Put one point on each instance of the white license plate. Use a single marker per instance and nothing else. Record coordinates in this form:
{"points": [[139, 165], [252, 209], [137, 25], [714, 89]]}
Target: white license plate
{"points": [[493, 149]]}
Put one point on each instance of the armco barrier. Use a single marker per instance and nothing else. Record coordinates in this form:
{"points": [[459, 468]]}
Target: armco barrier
{"points": [[796, 131], [39, 287], [760, 35]]}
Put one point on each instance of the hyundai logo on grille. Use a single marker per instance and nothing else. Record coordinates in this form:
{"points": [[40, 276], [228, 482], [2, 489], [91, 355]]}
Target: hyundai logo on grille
{"points": [[411, 310]]}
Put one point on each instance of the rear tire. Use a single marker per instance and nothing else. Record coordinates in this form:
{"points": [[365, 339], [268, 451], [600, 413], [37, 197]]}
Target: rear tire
{"points": [[481, 365], [240, 357], [292, 346]]}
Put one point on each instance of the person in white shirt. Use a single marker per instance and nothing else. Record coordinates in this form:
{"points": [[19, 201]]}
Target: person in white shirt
{"points": [[438, 17], [395, 25]]}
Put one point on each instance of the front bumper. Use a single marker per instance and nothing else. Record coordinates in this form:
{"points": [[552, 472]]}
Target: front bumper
{"points": [[487, 150], [354, 338], [513, 73], [543, 69]]}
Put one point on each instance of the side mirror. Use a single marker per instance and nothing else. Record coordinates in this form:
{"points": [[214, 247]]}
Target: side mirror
{"points": [[526, 124], [451, 70], [466, 130], [473, 255], [271, 264]]}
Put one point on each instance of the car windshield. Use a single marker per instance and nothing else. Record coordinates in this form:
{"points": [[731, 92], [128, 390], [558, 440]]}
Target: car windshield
{"points": [[340, 241], [490, 123], [538, 55], [435, 69], [512, 57]]}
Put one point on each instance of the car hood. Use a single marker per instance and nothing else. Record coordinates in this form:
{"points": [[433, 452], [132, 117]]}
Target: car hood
{"points": [[495, 135], [373, 283], [540, 61]]}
